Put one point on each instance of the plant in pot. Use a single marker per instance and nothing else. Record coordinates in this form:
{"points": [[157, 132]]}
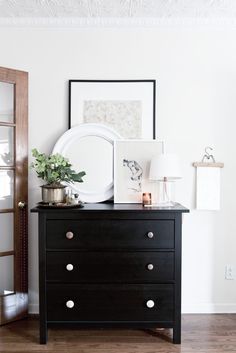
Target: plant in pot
{"points": [[54, 169]]}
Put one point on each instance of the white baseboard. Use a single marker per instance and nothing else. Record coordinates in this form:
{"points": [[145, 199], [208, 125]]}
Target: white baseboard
{"points": [[209, 308], [33, 308], [202, 308]]}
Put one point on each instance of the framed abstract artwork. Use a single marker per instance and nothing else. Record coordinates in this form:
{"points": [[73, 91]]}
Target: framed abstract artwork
{"points": [[127, 106], [131, 169]]}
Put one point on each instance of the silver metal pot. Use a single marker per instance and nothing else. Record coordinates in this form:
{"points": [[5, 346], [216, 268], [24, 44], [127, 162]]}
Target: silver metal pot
{"points": [[53, 194]]}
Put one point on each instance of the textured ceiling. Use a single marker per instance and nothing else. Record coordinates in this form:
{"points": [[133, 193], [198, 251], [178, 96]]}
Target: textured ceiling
{"points": [[116, 13], [117, 9]]}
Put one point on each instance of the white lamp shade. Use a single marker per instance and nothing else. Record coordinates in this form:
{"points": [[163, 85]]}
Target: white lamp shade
{"points": [[165, 166]]}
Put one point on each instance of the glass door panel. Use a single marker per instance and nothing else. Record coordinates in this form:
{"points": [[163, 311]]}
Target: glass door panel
{"points": [[6, 232], [6, 145], [6, 275], [7, 102], [6, 189]]}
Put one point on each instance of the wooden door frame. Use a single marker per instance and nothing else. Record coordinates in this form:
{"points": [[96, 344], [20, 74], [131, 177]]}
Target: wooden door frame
{"points": [[18, 302]]}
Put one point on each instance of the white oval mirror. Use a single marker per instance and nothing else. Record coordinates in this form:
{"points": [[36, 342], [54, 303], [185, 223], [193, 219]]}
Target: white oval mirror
{"points": [[89, 147]]}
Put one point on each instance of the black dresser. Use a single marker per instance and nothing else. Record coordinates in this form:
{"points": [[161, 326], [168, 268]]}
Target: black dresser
{"points": [[109, 265]]}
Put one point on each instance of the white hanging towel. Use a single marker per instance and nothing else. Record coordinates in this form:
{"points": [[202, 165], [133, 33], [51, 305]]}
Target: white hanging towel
{"points": [[208, 188]]}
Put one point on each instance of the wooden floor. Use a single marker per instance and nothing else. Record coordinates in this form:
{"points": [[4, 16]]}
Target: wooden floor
{"points": [[200, 334]]}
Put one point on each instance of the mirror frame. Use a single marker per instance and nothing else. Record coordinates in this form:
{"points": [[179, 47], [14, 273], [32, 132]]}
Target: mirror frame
{"points": [[81, 131]]}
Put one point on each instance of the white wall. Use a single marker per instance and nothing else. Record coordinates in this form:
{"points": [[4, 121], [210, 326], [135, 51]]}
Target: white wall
{"points": [[195, 69]]}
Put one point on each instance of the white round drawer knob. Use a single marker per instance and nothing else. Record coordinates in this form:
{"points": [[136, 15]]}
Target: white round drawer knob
{"points": [[69, 267], [150, 267], [150, 235], [69, 235], [150, 304], [70, 304]]}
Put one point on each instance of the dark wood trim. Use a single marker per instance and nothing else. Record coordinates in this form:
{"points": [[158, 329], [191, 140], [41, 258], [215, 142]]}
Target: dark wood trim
{"points": [[6, 295], [21, 192], [7, 167], [118, 81], [9, 75], [7, 210], [2, 123], [20, 81], [7, 253]]}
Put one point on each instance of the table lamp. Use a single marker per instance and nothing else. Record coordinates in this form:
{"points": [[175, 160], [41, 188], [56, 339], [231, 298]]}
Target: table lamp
{"points": [[165, 169]]}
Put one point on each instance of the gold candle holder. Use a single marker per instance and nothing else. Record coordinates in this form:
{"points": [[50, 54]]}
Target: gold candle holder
{"points": [[147, 198]]}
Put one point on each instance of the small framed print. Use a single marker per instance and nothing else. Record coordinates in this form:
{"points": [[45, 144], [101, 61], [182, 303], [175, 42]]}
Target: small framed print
{"points": [[127, 106], [131, 169]]}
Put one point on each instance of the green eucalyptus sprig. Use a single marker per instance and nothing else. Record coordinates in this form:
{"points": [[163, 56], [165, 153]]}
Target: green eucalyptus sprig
{"points": [[55, 168]]}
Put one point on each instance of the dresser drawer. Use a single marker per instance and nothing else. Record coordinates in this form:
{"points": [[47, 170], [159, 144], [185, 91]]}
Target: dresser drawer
{"points": [[110, 302], [110, 266], [105, 234]]}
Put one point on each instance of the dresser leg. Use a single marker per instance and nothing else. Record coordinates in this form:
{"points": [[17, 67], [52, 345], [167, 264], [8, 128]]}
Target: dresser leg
{"points": [[177, 334], [43, 334]]}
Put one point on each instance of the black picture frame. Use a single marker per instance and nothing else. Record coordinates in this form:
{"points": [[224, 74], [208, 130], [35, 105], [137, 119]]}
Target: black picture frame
{"points": [[73, 83]]}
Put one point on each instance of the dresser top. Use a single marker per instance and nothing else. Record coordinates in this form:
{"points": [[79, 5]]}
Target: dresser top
{"points": [[111, 207]]}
